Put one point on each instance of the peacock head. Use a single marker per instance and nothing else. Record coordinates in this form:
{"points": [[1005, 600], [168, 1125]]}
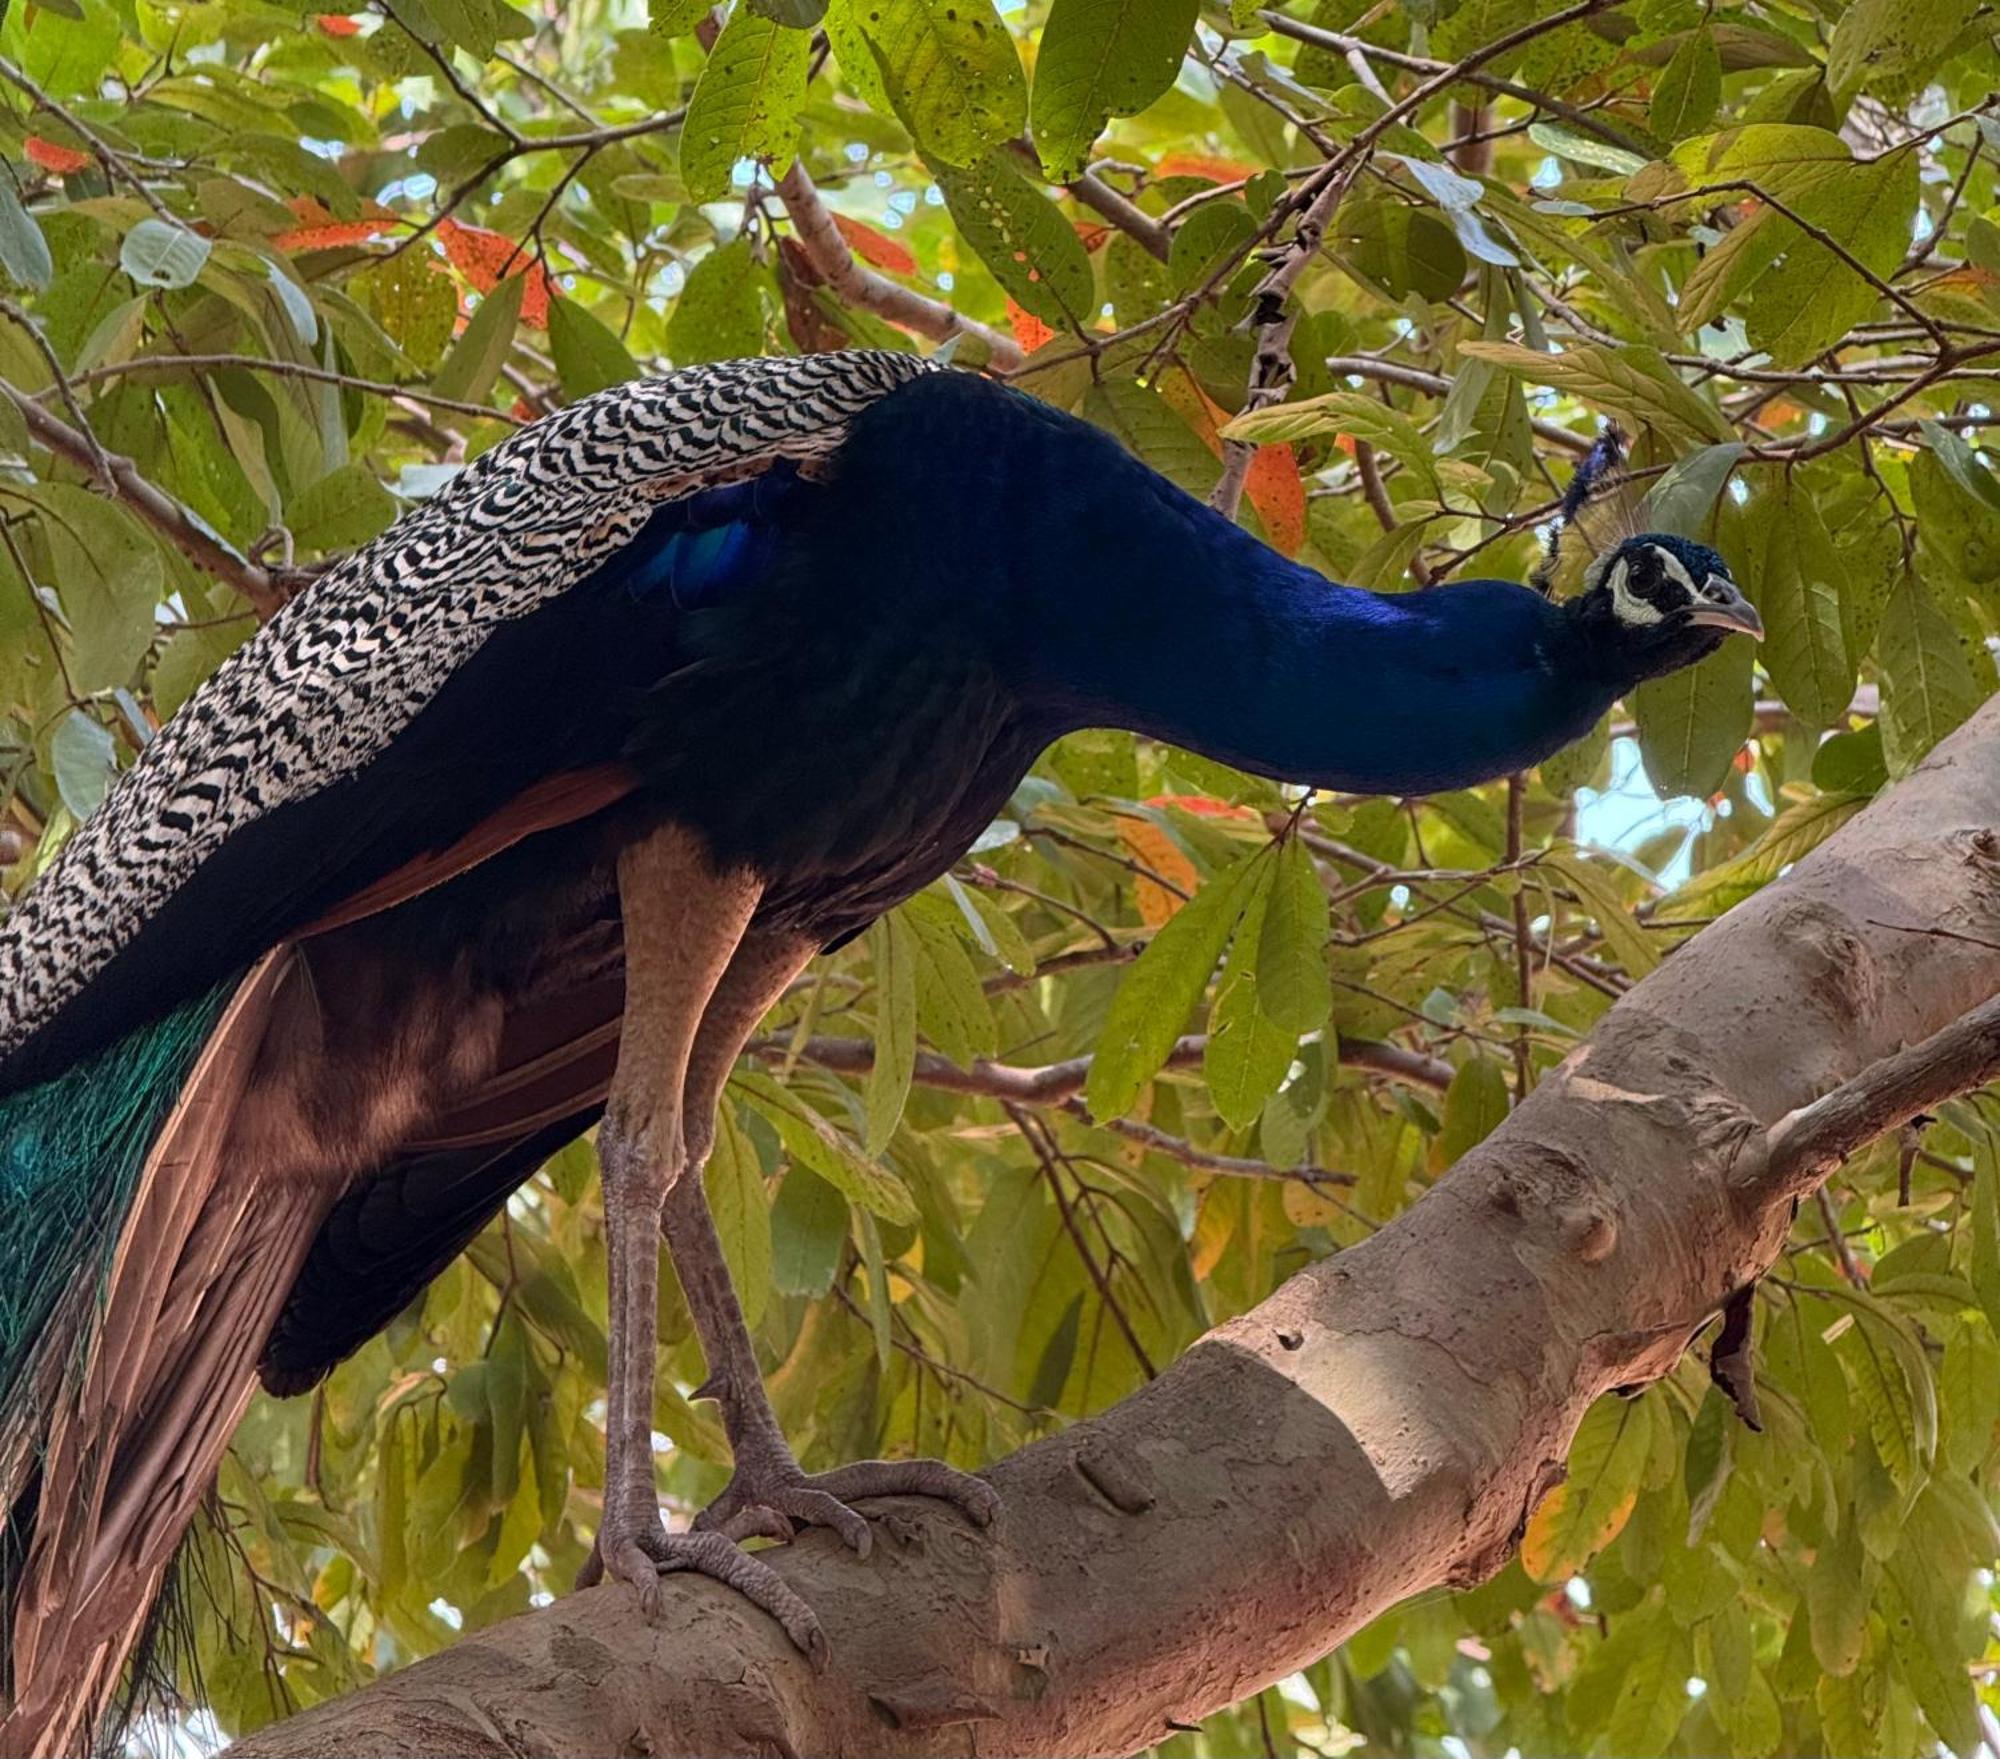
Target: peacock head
{"points": [[1659, 602]]}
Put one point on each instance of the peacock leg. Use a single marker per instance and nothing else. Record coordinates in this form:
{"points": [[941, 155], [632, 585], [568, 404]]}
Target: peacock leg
{"points": [[768, 1491], [683, 922]]}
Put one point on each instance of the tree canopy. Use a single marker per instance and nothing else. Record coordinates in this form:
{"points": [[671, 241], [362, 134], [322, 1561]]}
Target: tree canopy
{"points": [[1169, 1032]]}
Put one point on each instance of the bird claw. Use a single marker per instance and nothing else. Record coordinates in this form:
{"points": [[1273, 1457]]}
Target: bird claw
{"points": [[769, 1495], [641, 1557]]}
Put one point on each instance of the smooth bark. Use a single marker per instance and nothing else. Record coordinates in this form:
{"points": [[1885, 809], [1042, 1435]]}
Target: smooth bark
{"points": [[1383, 1424]]}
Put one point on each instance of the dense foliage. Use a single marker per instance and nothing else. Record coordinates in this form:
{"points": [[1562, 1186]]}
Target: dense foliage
{"points": [[1762, 236]]}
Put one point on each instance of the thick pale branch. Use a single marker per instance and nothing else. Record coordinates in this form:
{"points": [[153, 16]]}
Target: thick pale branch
{"points": [[1382, 1425]]}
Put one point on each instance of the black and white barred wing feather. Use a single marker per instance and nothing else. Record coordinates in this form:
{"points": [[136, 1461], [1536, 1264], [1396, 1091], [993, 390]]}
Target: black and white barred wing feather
{"points": [[326, 687]]}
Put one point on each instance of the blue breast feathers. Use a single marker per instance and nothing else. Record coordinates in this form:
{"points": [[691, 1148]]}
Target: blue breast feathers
{"points": [[695, 552]]}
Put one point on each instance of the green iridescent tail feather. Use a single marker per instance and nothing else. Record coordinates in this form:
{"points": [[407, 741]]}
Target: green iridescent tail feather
{"points": [[71, 1150]]}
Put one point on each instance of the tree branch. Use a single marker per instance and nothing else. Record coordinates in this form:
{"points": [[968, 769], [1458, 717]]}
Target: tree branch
{"points": [[860, 285], [1316, 200], [1382, 1425], [265, 589], [1053, 1083], [1802, 1150]]}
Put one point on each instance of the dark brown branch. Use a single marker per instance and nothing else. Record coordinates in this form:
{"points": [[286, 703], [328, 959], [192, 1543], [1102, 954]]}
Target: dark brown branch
{"points": [[1053, 1083]]}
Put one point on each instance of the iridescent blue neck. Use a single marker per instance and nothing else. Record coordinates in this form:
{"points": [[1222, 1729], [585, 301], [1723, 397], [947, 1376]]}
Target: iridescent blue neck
{"points": [[1206, 638]]}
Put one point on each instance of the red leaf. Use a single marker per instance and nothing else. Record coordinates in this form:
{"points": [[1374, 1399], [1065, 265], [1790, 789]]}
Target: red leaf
{"points": [[1029, 330], [322, 231], [875, 247], [480, 256], [337, 24], [1279, 495], [1092, 234], [1204, 165], [51, 157]]}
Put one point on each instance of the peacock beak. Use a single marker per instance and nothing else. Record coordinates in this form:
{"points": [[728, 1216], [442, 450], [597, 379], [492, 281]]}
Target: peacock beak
{"points": [[1721, 606]]}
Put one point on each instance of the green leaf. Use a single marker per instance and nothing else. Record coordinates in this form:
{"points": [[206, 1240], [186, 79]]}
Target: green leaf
{"points": [[742, 1211], [472, 368], [746, 104], [190, 657], [1293, 986], [1355, 415], [110, 576], [342, 510], [800, 15], [1839, 1587], [1099, 59], [1161, 990], [1886, 45], [461, 24], [1693, 722], [1928, 687], [1816, 296], [813, 1139], [414, 302], [1798, 591], [1794, 834], [1683, 501], [1022, 237], [1630, 943], [1152, 430], [588, 356], [157, 254], [1689, 89], [951, 73], [952, 1009], [719, 315], [1402, 249], [892, 951], [1246, 1057], [24, 251], [1986, 1231], [1634, 381], [84, 758], [1926, 1657], [808, 1231], [1475, 1105]]}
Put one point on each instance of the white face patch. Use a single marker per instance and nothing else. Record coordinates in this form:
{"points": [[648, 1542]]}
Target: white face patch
{"points": [[1625, 604], [1674, 568]]}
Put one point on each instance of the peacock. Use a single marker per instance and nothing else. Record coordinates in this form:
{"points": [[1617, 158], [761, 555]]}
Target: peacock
{"points": [[517, 822]]}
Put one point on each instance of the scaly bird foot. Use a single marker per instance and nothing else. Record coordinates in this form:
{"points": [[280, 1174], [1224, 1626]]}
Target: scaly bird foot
{"points": [[769, 1493], [639, 1559]]}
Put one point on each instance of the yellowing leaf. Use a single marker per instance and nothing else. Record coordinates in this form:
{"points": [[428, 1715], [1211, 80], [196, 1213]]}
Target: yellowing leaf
{"points": [[1155, 849], [1581, 1516]]}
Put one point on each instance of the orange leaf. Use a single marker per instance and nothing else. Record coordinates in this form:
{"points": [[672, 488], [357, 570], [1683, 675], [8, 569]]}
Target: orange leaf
{"points": [[51, 157], [1152, 848], [480, 256], [875, 247], [1203, 165], [322, 231], [1091, 233], [337, 24], [1279, 495], [1203, 806], [1029, 330]]}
